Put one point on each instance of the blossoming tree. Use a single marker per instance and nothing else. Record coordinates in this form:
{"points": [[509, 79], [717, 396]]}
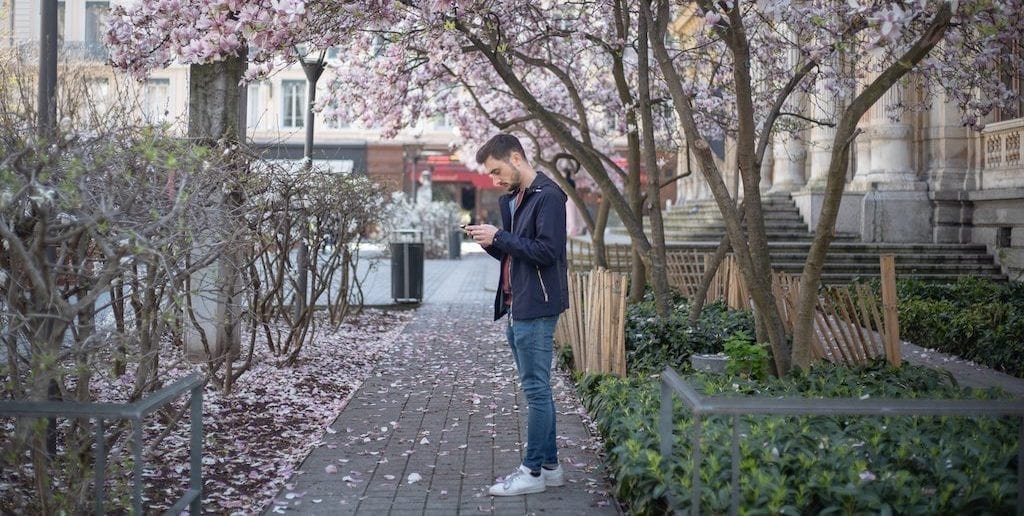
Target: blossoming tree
{"points": [[564, 75], [847, 54], [546, 74], [575, 75]]}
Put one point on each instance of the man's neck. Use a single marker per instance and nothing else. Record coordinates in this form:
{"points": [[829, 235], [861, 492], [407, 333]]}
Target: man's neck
{"points": [[528, 176]]}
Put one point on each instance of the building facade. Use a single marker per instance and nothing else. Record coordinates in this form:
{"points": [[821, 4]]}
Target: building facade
{"points": [[921, 178], [275, 108]]}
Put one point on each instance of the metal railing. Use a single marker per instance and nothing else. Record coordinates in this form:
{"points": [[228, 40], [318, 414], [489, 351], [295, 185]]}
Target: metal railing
{"points": [[701, 406], [135, 412]]}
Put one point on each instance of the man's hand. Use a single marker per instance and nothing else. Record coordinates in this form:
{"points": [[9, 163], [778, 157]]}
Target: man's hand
{"points": [[482, 234]]}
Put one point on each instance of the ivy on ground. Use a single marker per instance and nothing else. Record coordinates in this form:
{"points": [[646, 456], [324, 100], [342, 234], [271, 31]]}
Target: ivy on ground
{"points": [[814, 464]]}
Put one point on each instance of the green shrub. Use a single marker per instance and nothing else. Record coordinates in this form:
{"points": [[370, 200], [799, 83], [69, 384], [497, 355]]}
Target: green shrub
{"points": [[811, 465], [747, 359], [974, 318], [653, 342]]}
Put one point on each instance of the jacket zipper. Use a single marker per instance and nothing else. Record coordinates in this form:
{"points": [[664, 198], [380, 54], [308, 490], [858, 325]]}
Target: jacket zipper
{"points": [[542, 287], [512, 229]]}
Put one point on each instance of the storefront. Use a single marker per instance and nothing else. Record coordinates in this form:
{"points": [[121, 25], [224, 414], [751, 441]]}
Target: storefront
{"points": [[452, 181]]}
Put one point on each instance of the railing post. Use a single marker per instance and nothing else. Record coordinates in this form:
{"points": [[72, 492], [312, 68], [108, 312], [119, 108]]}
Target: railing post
{"points": [[697, 460], [665, 422], [734, 505], [665, 432], [99, 472], [672, 385], [196, 450], [1020, 469], [137, 467], [136, 413]]}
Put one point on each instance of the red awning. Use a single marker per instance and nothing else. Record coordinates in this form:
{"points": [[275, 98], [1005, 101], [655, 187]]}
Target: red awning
{"points": [[443, 169], [623, 163]]}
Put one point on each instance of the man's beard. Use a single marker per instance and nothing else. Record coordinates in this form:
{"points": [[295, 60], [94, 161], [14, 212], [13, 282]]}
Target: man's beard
{"points": [[517, 180]]}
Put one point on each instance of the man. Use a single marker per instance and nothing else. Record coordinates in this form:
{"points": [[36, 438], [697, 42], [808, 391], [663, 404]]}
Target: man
{"points": [[533, 291]]}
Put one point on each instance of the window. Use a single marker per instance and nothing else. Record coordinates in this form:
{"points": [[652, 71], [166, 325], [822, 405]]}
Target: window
{"points": [[156, 100], [1013, 78], [255, 111], [293, 113], [60, 24], [96, 103], [95, 15], [439, 122], [333, 122]]}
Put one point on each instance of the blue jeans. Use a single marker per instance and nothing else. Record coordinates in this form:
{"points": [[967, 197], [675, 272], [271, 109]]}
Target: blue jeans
{"points": [[532, 343]]}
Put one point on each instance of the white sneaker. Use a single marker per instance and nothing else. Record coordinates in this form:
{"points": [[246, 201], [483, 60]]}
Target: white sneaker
{"points": [[519, 482], [553, 477]]}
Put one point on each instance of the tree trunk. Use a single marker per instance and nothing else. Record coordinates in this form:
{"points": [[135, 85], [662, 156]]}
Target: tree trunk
{"points": [[597, 237], [753, 263], [638, 269], [810, 279], [659, 272], [710, 269], [759, 277], [217, 112]]}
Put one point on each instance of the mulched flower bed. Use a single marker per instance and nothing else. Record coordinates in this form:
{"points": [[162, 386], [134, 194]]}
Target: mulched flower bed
{"points": [[255, 437]]}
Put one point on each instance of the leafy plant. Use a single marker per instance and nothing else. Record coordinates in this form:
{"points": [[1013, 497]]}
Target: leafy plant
{"points": [[810, 465], [653, 342], [747, 359], [974, 318]]}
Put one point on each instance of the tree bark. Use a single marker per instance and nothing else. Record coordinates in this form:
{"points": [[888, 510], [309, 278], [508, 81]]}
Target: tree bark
{"points": [[759, 278], [597, 237], [711, 268], [659, 273], [217, 112]]}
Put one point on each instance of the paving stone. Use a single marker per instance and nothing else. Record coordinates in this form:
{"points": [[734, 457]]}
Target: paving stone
{"points": [[450, 365]]}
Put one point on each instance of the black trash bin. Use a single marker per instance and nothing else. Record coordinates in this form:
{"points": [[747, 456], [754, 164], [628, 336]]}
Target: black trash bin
{"points": [[455, 245], [407, 266]]}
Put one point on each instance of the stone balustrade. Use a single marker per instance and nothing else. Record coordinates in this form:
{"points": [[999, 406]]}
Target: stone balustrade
{"points": [[1003, 144]]}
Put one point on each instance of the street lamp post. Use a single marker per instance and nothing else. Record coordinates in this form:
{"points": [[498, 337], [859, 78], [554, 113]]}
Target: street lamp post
{"points": [[47, 99], [413, 153], [313, 71], [47, 116]]}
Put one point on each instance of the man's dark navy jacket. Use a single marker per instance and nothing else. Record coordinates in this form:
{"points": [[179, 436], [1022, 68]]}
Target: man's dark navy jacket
{"points": [[535, 239]]}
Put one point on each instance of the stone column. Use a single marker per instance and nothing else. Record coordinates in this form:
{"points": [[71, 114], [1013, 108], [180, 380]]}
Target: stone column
{"points": [[862, 159], [693, 187], [947, 173], [891, 167], [789, 164], [767, 165], [828, 107], [788, 149], [895, 207]]}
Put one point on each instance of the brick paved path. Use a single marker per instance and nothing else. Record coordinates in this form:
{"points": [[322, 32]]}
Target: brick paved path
{"points": [[444, 408]]}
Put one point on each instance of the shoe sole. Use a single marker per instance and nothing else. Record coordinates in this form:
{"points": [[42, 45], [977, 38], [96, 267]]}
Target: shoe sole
{"points": [[555, 483], [535, 490]]}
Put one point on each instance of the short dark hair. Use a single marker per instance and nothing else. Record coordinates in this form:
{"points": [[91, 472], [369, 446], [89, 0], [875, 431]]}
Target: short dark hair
{"points": [[500, 147]]}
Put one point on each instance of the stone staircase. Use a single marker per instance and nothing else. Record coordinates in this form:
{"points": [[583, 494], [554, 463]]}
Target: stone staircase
{"points": [[699, 225]]}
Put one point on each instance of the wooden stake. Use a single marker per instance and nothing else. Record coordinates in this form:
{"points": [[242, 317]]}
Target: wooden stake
{"points": [[889, 305]]}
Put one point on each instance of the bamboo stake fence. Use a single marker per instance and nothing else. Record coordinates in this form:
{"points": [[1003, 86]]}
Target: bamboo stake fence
{"points": [[594, 325], [849, 325]]}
